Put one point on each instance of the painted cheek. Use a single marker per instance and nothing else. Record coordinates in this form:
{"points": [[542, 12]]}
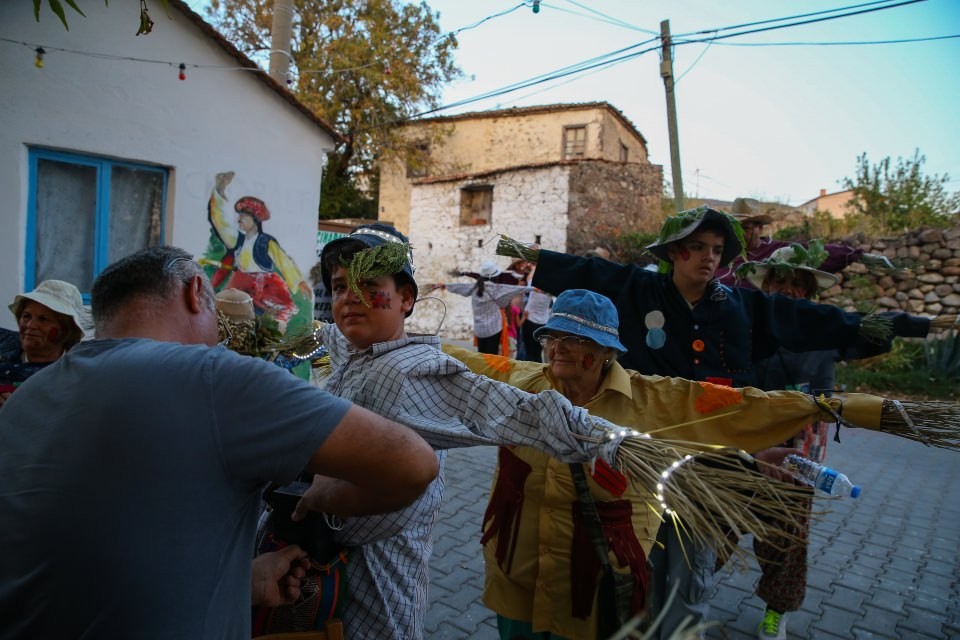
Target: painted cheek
{"points": [[380, 300], [684, 254], [53, 334], [588, 361]]}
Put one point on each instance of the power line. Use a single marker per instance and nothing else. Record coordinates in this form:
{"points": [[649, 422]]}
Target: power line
{"points": [[606, 18], [833, 44], [794, 17], [586, 66], [797, 24]]}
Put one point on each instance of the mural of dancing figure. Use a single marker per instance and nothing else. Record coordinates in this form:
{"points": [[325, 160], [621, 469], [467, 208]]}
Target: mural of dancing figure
{"points": [[252, 260]]}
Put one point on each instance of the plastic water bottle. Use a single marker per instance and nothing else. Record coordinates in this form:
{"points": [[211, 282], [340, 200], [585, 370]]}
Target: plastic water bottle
{"points": [[820, 477]]}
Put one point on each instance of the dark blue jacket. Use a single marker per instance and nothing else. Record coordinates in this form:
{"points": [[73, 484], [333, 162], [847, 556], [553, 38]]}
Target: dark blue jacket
{"points": [[719, 339]]}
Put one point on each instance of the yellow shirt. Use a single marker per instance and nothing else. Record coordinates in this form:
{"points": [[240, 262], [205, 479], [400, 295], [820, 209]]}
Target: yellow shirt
{"points": [[532, 582]]}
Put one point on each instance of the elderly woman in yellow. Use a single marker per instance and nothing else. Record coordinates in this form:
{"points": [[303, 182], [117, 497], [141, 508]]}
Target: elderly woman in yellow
{"points": [[560, 539]]}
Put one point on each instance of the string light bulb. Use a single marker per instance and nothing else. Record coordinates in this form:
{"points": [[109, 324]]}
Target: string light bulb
{"points": [[183, 72], [536, 6], [38, 63]]}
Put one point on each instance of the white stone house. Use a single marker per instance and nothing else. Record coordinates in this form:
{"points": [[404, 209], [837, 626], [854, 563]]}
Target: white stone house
{"points": [[104, 148], [562, 175]]}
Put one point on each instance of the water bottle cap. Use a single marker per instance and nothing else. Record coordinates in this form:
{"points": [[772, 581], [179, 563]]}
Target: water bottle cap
{"points": [[855, 492]]}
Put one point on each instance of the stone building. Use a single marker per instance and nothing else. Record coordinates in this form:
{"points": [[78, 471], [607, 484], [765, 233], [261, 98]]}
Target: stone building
{"points": [[564, 176]]}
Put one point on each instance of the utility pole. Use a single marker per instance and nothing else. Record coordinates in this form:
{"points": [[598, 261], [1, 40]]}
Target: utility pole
{"points": [[280, 36], [666, 72]]}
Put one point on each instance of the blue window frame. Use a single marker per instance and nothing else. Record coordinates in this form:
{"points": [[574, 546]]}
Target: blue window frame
{"points": [[85, 212]]}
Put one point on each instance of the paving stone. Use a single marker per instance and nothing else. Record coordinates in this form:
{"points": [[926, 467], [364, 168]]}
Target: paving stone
{"points": [[922, 623], [847, 599]]}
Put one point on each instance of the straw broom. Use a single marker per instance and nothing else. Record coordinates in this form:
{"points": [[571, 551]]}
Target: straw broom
{"points": [[710, 492]]}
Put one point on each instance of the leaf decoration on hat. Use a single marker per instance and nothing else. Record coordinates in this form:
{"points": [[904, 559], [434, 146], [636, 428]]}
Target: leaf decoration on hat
{"points": [[384, 259], [674, 224], [809, 257]]}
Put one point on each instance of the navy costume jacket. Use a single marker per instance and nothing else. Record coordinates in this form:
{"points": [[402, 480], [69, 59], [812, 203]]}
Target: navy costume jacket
{"points": [[722, 336]]}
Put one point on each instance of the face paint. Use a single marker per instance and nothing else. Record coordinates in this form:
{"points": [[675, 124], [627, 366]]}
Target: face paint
{"points": [[380, 300], [53, 334], [588, 361], [685, 254]]}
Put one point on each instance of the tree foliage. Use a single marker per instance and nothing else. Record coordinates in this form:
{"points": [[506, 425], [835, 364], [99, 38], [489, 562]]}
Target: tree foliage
{"points": [[146, 23], [362, 66], [893, 198]]}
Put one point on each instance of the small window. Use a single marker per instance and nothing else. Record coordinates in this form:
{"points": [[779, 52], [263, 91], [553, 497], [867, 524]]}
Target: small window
{"points": [[418, 163], [85, 212], [476, 205], [624, 153], [574, 142]]}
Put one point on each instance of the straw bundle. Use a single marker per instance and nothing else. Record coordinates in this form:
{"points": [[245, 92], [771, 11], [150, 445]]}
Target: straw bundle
{"points": [[711, 493], [507, 246], [263, 340], [945, 322], [934, 423]]}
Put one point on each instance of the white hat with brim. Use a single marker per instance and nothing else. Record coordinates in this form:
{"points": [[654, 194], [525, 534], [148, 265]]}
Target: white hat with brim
{"points": [[780, 259], [681, 225], [489, 269], [58, 296]]}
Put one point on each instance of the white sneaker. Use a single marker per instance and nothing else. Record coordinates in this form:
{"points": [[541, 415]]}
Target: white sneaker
{"points": [[773, 626]]}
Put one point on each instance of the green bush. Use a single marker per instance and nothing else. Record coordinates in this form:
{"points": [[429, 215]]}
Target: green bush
{"points": [[904, 372]]}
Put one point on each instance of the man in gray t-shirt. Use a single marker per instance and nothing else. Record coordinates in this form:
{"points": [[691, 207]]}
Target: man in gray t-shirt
{"points": [[131, 469]]}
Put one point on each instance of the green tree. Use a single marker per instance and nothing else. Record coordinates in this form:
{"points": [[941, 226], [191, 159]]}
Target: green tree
{"points": [[894, 198], [363, 67]]}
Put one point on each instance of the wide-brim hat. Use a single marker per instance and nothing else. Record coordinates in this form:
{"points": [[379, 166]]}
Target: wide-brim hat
{"points": [[785, 258], [586, 314], [681, 225], [489, 269], [372, 235], [748, 210], [59, 296]]}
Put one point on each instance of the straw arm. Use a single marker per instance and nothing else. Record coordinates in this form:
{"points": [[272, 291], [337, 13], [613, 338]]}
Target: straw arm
{"points": [[934, 423]]}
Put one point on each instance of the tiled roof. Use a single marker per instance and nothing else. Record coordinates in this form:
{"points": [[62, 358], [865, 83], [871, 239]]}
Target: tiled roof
{"points": [[545, 108]]}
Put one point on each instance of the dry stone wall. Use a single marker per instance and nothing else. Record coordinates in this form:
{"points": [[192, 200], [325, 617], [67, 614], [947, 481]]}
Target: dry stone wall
{"points": [[612, 198], [929, 285]]}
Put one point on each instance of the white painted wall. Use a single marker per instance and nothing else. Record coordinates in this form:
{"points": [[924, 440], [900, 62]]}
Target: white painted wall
{"points": [[526, 203], [215, 120]]}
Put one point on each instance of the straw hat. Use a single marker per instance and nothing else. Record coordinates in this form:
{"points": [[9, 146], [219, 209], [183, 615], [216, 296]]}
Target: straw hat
{"points": [[792, 258], [58, 296], [235, 304], [748, 210]]}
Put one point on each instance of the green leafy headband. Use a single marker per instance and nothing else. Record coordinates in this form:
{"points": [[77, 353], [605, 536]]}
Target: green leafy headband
{"points": [[385, 259]]}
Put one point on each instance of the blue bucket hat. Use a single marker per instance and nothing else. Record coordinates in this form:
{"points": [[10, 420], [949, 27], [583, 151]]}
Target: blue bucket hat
{"points": [[372, 235], [586, 314]]}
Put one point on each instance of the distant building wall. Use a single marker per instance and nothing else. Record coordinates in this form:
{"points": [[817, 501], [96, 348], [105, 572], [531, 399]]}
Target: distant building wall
{"points": [[527, 204], [612, 198]]}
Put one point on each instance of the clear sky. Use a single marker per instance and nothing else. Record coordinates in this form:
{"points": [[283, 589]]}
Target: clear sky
{"points": [[770, 122]]}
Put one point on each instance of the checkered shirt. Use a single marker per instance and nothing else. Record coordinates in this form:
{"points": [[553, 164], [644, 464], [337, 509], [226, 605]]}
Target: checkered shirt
{"points": [[412, 382]]}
